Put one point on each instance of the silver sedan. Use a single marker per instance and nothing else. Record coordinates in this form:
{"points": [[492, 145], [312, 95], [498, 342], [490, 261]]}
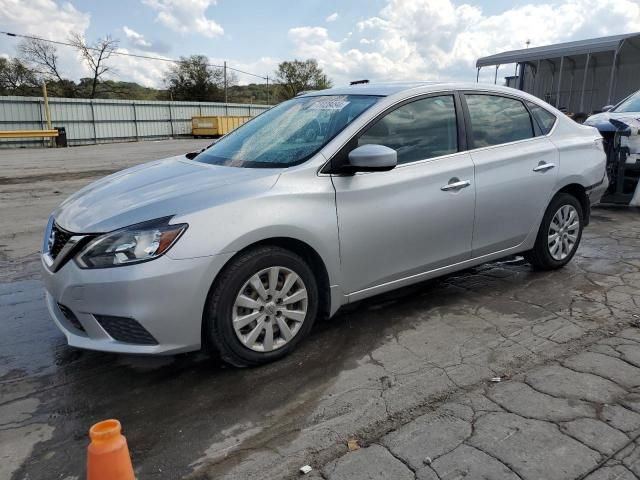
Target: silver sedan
{"points": [[326, 199]]}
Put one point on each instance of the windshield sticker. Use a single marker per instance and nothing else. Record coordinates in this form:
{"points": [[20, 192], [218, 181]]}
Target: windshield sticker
{"points": [[329, 103]]}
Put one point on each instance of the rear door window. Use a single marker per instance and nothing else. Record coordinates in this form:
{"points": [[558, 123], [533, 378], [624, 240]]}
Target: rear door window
{"points": [[418, 130], [545, 120], [496, 120]]}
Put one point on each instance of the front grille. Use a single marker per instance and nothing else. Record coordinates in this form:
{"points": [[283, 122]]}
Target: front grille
{"points": [[58, 240], [69, 315], [126, 330]]}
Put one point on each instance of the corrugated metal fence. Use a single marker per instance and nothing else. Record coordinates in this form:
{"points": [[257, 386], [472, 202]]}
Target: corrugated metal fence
{"points": [[106, 121]]}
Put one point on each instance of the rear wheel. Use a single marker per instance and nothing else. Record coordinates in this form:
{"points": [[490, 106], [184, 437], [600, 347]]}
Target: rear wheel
{"points": [[559, 234], [264, 303]]}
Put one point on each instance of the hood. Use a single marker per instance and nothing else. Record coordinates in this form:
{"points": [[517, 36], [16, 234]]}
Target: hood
{"points": [[174, 186], [601, 120]]}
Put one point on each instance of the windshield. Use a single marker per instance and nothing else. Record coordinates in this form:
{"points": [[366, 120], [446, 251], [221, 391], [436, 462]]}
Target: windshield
{"points": [[287, 134], [630, 104]]}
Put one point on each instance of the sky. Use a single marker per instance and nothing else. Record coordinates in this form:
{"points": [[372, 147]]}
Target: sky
{"points": [[381, 40]]}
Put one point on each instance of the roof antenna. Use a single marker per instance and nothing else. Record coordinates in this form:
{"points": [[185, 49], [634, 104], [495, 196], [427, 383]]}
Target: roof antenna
{"points": [[358, 82]]}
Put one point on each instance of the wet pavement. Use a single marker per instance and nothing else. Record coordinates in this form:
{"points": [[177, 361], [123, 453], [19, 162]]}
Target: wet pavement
{"points": [[367, 375]]}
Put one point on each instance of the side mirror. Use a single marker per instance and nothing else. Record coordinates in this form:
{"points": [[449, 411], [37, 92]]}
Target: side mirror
{"points": [[606, 108], [373, 158], [192, 155]]}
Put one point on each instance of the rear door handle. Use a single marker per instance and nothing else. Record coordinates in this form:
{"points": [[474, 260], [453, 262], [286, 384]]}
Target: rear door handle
{"points": [[543, 167], [456, 185]]}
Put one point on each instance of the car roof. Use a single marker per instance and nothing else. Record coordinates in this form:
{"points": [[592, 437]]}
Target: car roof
{"points": [[387, 89]]}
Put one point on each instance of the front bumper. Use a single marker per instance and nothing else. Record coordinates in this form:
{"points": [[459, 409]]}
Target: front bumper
{"points": [[165, 296]]}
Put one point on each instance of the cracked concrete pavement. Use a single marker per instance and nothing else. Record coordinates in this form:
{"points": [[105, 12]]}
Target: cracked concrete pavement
{"points": [[404, 375], [572, 418]]}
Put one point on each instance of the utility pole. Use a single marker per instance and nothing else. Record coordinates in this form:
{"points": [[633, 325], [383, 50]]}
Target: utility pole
{"points": [[47, 111], [226, 100], [267, 89]]}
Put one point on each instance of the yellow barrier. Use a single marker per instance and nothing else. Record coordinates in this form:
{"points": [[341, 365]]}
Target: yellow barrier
{"points": [[28, 133], [215, 126]]}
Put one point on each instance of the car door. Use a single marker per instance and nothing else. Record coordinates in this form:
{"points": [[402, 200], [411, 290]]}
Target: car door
{"points": [[416, 217], [516, 170]]}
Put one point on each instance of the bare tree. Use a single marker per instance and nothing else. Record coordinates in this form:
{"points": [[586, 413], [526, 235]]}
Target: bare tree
{"points": [[41, 55], [95, 56]]}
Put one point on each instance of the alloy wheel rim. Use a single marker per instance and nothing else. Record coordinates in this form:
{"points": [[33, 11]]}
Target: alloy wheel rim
{"points": [[269, 309], [563, 232]]}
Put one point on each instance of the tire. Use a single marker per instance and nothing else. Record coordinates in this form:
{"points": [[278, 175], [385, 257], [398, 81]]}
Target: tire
{"points": [[545, 255], [225, 309]]}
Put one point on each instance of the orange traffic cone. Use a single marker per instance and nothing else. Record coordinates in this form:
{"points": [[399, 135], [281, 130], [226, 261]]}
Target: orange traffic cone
{"points": [[108, 455]]}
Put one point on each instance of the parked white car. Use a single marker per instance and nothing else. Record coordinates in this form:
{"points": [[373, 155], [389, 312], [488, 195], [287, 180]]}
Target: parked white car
{"points": [[326, 199], [620, 127]]}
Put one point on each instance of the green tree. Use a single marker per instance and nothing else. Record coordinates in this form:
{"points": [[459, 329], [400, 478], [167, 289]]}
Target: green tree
{"points": [[119, 90], [297, 76], [193, 79], [252, 93], [16, 78]]}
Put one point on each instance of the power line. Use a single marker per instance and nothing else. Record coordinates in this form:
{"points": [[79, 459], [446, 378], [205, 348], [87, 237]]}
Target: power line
{"points": [[126, 54]]}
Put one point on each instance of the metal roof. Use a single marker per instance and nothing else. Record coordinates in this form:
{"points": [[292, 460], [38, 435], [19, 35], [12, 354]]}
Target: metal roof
{"points": [[579, 47]]}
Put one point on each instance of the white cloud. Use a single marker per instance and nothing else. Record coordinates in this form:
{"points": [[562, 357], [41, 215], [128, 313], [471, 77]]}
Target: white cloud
{"points": [[263, 66], [332, 18], [407, 39], [56, 20], [46, 19], [135, 38], [148, 73], [186, 16], [440, 39]]}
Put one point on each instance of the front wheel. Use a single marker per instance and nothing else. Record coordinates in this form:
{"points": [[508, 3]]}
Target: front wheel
{"points": [[559, 234], [264, 303]]}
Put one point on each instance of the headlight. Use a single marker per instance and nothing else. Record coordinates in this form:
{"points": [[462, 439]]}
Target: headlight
{"points": [[134, 244]]}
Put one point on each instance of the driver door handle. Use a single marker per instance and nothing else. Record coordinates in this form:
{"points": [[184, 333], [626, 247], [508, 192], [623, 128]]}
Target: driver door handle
{"points": [[456, 185], [543, 167]]}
